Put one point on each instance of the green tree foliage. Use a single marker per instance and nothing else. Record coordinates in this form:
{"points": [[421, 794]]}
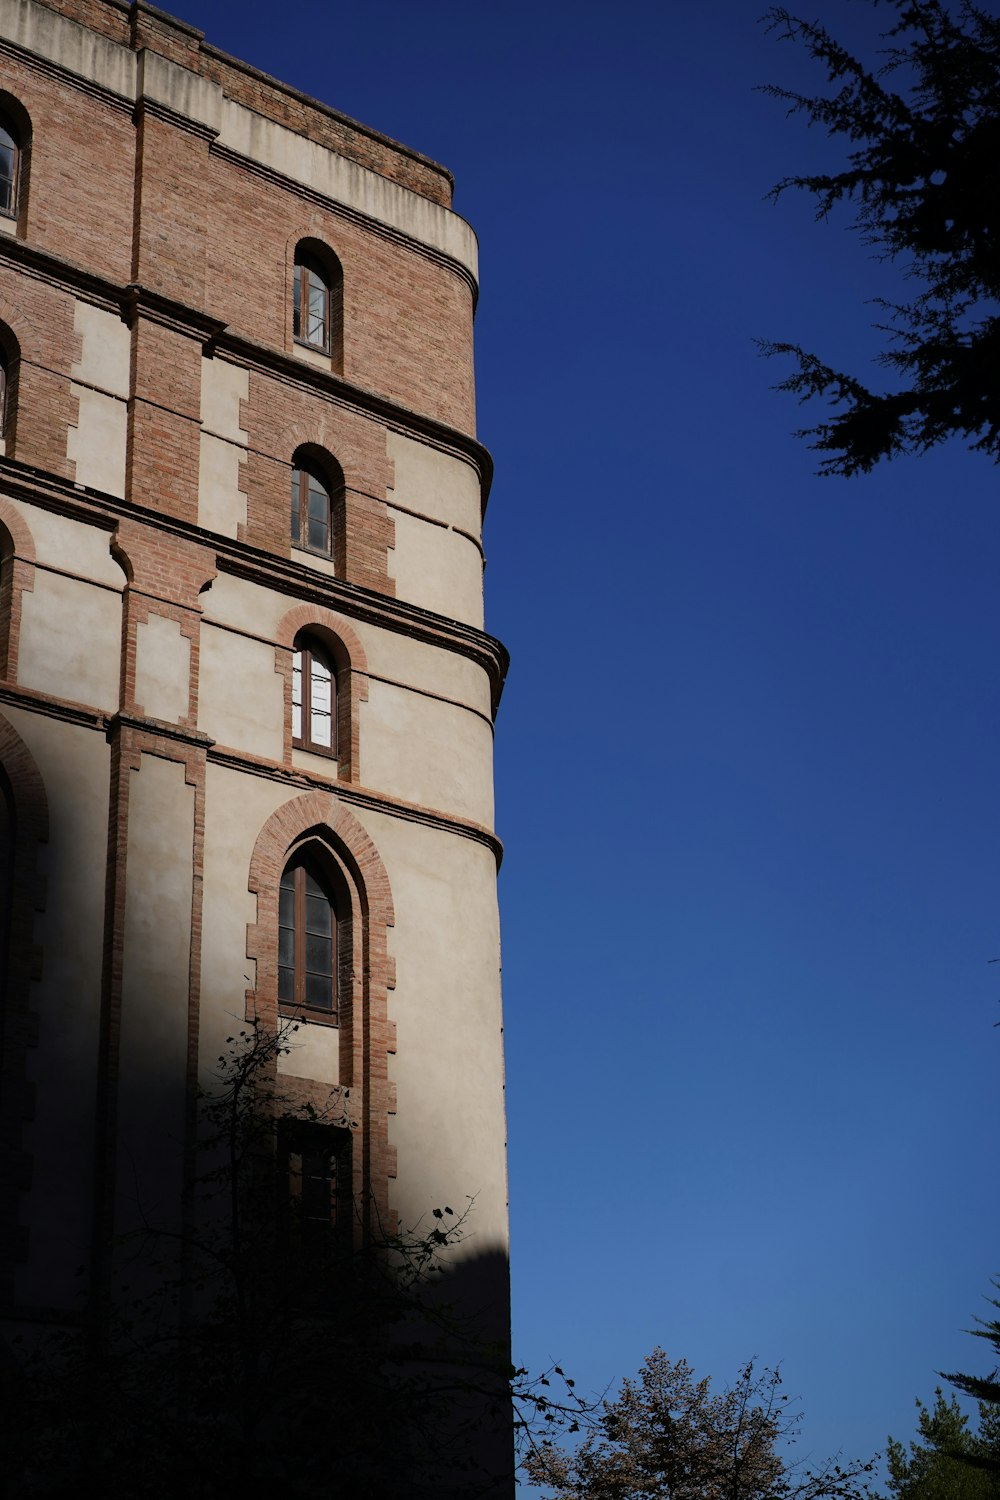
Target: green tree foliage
{"points": [[922, 174], [668, 1435], [984, 1389], [950, 1460]]}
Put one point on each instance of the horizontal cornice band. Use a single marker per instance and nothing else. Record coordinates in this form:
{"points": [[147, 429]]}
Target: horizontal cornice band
{"points": [[242, 560], [134, 300]]}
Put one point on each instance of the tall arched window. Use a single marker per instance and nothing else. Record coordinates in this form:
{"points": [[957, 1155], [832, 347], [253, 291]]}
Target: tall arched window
{"points": [[312, 510], [9, 367], [314, 697], [307, 940], [10, 170], [318, 300], [311, 315]]}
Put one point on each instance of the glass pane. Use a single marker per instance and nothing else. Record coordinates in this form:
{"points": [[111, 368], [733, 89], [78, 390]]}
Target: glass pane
{"points": [[286, 985], [319, 500], [286, 900], [297, 304], [319, 536], [297, 695], [319, 991], [317, 312], [318, 916], [286, 947], [321, 686], [316, 1188], [321, 730], [295, 505], [319, 954]]}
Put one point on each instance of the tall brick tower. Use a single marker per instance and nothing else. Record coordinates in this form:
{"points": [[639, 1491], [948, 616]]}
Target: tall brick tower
{"points": [[246, 697]]}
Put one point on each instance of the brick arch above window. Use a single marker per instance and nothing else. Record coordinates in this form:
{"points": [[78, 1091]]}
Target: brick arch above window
{"points": [[342, 644], [17, 577], [317, 824]]}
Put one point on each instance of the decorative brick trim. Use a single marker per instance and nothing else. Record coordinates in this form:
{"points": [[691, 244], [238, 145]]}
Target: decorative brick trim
{"points": [[367, 1037], [17, 576], [130, 739], [18, 1020], [351, 663], [166, 576]]}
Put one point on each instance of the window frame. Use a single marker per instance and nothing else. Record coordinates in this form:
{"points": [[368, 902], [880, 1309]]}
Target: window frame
{"points": [[314, 1237], [302, 473], [307, 270], [304, 650], [17, 153], [301, 866]]}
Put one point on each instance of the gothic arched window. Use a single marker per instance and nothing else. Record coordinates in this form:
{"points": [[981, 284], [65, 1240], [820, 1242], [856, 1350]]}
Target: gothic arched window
{"points": [[307, 940]]}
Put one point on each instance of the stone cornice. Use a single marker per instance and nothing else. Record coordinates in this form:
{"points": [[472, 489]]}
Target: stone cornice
{"points": [[253, 765], [355, 215], [257, 566]]}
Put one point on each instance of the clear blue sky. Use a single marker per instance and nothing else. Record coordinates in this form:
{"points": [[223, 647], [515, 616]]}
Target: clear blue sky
{"points": [[747, 757]]}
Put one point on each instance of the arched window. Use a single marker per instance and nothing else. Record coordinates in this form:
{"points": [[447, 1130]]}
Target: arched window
{"points": [[10, 170], [311, 316], [307, 941], [318, 300], [312, 510], [314, 697], [9, 367]]}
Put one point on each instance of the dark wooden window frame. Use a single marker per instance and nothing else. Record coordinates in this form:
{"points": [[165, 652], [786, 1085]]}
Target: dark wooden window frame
{"points": [[297, 1003], [315, 1188], [309, 272], [306, 649], [299, 517], [7, 138]]}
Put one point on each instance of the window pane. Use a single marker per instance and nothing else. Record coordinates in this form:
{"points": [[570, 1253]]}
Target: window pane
{"points": [[319, 954], [297, 695], [319, 535], [296, 524], [297, 304], [8, 171], [319, 991], [318, 916], [286, 946], [318, 299], [286, 985], [319, 499]]}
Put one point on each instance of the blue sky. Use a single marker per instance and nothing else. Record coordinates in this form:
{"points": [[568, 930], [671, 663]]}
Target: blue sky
{"points": [[747, 753]]}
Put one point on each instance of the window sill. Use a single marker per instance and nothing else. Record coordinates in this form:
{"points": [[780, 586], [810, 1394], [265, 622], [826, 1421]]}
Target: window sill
{"points": [[311, 354], [309, 1017], [324, 762], [321, 561]]}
